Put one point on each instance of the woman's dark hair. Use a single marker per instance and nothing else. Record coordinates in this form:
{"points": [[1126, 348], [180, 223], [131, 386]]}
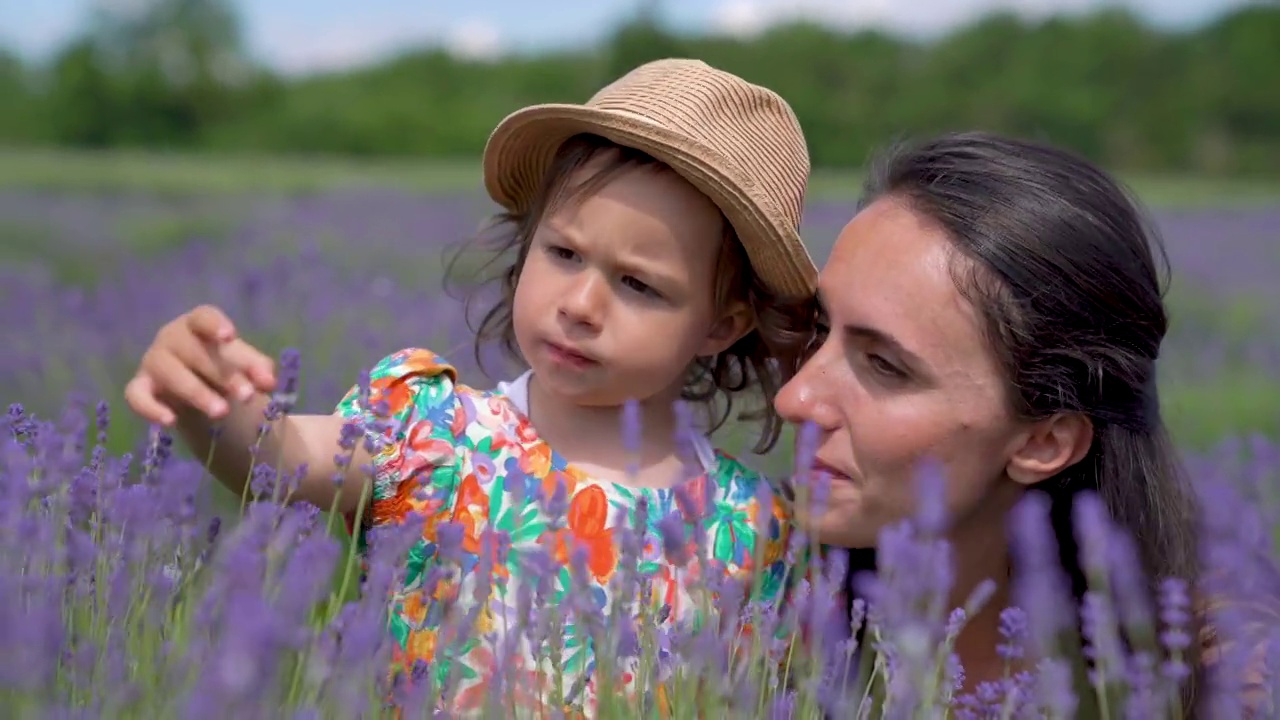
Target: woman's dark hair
{"points": [[766, 357], [1069, 279]]}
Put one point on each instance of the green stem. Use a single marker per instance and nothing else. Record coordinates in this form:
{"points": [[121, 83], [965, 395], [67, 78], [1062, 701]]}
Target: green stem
{"points": [[253, 461], [352, 549]]}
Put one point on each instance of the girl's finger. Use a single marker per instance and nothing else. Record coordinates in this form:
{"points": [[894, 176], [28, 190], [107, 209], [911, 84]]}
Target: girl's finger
{"points": [[175, 378], [206, 362], [211, 324], [239, 386], [247, 359], [140, 394]]}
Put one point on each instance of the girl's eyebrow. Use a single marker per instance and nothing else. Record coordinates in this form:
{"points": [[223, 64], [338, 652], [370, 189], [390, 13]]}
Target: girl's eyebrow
{"points": [[559, 232], [653, 269]]}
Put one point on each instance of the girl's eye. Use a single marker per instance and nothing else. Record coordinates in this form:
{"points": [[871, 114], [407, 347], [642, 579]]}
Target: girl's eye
{"points": [[563, 253], [638, 286]]}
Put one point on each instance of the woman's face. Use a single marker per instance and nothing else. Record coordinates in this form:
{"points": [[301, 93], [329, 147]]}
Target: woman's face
{"points": [[906, 375]]}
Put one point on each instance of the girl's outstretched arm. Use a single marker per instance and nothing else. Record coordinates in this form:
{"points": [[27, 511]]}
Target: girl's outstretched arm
{"points": [[293, 440], [198, 374]]}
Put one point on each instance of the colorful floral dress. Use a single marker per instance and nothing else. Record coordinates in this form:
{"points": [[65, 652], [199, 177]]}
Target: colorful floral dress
{"points": [[505, 518]]}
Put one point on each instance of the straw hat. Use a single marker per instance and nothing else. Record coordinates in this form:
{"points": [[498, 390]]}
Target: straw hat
{"points": [[738, 143]]}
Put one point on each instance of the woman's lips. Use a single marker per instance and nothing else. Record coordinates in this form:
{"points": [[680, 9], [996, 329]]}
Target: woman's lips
{"points": [[821, 474], [820, 467]]}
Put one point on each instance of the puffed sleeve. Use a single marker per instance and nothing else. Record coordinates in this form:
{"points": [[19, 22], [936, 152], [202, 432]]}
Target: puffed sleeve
{"points": [[407, 418]]}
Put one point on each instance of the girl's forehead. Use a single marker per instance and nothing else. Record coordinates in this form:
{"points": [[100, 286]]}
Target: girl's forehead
{"points": [[641, 205]]}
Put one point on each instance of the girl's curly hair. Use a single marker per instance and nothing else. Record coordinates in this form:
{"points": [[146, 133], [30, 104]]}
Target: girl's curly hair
{"points": [[764, 359]]}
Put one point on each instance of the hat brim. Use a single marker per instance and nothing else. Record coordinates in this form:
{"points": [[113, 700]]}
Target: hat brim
{"points": [[524, 144]]}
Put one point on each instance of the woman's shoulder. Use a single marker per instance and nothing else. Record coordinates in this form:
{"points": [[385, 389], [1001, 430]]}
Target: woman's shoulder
{"points": [[1239, 644]]}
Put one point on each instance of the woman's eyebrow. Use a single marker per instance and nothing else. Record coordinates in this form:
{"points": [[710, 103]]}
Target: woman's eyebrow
{"points": [[867, 332], [884, 338]]}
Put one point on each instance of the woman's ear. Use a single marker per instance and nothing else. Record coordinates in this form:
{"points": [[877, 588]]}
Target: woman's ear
{"points": [[733, 324], [1050, 446]]}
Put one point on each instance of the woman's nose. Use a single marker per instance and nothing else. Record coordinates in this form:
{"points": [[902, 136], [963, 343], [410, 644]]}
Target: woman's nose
{"points": [[805, 398]]}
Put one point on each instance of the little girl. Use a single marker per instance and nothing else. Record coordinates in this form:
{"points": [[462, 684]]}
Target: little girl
{"points": [[652, 255]]}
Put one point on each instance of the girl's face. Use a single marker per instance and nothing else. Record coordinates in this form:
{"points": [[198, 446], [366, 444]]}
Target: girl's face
{"points": [[615, 298], [907, 375]]}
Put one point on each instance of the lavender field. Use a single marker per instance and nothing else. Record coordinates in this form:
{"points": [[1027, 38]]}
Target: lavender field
{"points": [[345, 276]]}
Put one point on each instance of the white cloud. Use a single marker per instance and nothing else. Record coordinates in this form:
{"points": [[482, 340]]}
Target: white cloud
{"points": [[474, 40], [293, 45], [298, 50], [741, 18], [338, 50], [928, 17]]}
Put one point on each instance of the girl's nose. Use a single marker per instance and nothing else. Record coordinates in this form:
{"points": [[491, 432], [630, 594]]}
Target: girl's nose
{"points": [[583, 303]]}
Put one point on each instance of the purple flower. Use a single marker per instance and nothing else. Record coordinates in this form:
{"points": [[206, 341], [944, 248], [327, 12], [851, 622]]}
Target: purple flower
{"points": [[931, 497], [558, 504], [1175, 614], [1013, 628], [1040, 586], [449, 541], [674, 545], [262, 482], [784, 706], [285, 396], [135, 595], [685, 434], [1129, 583], [631, 428], [1142, 700], [102, 421]]}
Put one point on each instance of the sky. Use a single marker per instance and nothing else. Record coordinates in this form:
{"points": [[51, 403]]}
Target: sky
{"points": [[297, 36]]}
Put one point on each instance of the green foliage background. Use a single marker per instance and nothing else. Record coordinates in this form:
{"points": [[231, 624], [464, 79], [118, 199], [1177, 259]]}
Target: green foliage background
{"points": [[1205, 101]]}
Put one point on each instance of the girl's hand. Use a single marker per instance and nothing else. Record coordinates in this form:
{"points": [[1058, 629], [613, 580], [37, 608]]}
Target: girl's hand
{"points": [[197, 361]]}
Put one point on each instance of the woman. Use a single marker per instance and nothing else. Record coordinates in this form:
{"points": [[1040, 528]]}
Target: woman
{"points": [[994, 306]]}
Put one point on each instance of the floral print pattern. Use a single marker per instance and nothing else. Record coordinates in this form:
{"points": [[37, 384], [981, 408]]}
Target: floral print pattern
{"points": [[451, 453]]}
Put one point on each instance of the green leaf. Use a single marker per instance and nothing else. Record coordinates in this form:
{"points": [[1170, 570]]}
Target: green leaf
{"points": [[400, 630], [507, 520], [722, 547], [415, 561], [495, 501], [529, 530]]}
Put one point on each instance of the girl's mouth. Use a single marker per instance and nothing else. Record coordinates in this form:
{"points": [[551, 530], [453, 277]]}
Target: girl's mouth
{"points": [[569, 357]]}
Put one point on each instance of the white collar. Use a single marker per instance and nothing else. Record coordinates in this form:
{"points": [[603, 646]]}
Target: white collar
{"points": [[518, 392]]}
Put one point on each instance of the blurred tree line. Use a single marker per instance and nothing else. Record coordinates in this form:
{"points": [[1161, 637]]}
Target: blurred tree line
{"points": [[173, 74]]}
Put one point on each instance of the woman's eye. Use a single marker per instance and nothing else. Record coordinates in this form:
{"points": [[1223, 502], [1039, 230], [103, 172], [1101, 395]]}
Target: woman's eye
{"points": [[884, 367]]}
